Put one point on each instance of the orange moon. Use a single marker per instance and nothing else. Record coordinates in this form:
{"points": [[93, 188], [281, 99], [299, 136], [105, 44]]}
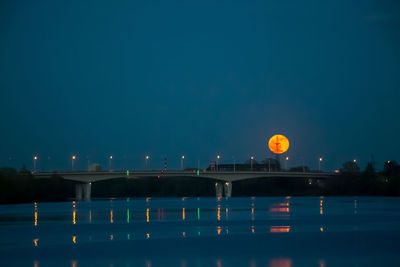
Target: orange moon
{"points": [[278, 144]]}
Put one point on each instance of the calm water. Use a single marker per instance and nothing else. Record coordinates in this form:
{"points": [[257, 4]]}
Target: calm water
{"points": [[270, 231]]}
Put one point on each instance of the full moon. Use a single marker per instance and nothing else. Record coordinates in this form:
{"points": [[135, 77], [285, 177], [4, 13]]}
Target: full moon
{"points": [[278, 144]]}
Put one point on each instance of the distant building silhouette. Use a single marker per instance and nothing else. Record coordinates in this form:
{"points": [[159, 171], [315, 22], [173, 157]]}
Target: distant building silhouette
{"points": [[273, 166]]}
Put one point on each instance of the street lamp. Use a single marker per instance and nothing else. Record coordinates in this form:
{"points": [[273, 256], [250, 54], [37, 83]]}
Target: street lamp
{"points": [[319, 164], [217, 161], [251, 163], [72, 162], [109, 162], [286, 161], [182, 159], [34, 163], [269, 165], [147, 159]]}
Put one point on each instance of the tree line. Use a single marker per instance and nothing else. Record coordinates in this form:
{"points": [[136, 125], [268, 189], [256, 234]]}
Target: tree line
{"points": [[21, 186]]}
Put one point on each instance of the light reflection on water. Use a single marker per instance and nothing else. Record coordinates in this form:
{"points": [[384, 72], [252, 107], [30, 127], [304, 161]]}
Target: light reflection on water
{"points": [[276, 262], [280, 263], [279, 229], [36, 214], [193, 219], [264, 212]]}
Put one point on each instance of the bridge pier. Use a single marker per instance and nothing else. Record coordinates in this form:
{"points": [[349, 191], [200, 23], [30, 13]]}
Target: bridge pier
{"points": [[83, 191], [223, 189], [87, 191], [219, 188], [78, 192], [228, 189]]}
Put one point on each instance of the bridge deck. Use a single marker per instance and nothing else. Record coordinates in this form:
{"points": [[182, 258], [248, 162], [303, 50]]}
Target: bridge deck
{"points": [[228, 176]]}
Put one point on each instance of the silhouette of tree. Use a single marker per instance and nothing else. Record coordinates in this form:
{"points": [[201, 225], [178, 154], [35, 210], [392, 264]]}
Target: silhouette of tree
{"points": [[369, 170], [391, 168], [23, 169], [350, 166]]}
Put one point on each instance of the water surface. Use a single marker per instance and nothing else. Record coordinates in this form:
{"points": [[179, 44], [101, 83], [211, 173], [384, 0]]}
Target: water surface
{"points": [[258, 231]]}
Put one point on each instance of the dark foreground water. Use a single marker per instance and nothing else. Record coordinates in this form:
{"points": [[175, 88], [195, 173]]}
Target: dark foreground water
{"points": [[270, 231]]}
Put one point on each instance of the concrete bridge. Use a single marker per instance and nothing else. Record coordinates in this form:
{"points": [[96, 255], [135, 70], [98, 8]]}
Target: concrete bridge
{"points": [[223, 179]]}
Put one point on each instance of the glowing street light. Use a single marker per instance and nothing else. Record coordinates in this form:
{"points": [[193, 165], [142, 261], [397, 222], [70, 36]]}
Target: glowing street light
{"points": [[182, 159], [35, 158], [72, 161], [319, 163], [354, 160], [109, 162], [218, 157], [251, 163]]}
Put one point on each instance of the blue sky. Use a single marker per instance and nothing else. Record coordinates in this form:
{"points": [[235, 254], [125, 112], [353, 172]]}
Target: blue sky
{"points": [[199, 78]]}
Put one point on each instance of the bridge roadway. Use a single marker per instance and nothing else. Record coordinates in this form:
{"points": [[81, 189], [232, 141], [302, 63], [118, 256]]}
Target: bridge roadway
{"points": [[223, 185]]}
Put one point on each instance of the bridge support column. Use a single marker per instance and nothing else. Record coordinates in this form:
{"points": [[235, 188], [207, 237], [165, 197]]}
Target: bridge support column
{"points": [[83, 191], [219, 188], [87, 191], [228, 189], [78, 192]]}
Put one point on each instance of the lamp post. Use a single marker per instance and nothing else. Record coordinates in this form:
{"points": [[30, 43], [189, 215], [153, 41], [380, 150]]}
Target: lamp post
{"points": [[182, 159], [217, 162], [319, 164], [110, 162], [251, 163], [146, 160], [72, 162], [286, 161], [269, 165], [34, 163]]}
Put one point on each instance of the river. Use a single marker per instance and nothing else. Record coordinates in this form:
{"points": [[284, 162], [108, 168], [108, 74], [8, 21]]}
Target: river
{"points": [[254, 231]]}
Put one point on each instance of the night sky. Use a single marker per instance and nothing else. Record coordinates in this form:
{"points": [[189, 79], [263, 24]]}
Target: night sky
{"points": [[198, 78]]}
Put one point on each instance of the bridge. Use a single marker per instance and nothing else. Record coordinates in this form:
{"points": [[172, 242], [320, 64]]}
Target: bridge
{"points": [[223, 179]]}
